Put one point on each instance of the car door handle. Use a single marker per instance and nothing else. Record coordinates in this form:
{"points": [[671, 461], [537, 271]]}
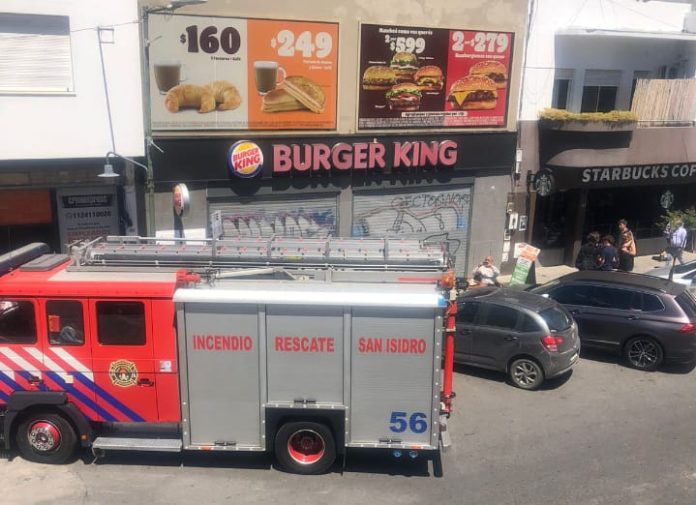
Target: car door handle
{"points": [[576, 311], [147, 383], [510, 338], [632, 317], [465, 332]]}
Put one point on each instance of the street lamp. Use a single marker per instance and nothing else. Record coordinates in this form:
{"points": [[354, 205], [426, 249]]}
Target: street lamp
{"points": [[108, 172], [171, 6], [109, 168]]}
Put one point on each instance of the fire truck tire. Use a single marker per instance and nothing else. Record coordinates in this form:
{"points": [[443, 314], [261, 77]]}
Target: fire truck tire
{"points": [[46, 437], [305, 447]]}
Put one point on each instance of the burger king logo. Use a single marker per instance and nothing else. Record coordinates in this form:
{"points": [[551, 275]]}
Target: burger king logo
{"points": [[245, 159]]}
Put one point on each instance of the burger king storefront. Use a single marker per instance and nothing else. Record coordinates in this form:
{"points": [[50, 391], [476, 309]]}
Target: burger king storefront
{"points": [[453, 188], [588, 181]]}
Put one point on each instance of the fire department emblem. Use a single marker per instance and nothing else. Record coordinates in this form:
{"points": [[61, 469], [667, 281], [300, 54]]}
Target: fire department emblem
{"points": [[123, 373]]}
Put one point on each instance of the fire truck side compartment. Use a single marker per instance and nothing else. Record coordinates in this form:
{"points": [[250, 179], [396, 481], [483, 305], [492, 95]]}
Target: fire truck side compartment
{"points": [[268, 351]]}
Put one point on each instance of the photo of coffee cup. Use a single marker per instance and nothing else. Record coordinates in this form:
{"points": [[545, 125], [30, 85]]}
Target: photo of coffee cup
{"points": [[266, 74], [168, 73]]}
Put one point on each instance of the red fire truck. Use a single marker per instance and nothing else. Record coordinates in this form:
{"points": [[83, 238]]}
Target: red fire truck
{"points": [[304, 348]]}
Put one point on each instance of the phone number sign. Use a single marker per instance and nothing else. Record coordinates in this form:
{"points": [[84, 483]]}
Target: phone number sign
{"points": [[414, 77]]}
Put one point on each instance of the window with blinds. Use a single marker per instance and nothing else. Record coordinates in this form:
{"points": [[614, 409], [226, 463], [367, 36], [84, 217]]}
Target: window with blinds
{"points": [[35, 54]]}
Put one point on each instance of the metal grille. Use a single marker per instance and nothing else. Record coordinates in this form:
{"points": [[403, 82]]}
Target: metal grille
{"points": [[442, 215], [313, 217]]}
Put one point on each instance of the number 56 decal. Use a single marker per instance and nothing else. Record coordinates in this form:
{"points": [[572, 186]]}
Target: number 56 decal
{"points": [[400, 422]]}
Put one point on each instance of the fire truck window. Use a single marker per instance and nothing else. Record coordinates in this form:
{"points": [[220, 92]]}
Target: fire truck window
{"points": [[65, 322], [17, 322], [121, 323]]}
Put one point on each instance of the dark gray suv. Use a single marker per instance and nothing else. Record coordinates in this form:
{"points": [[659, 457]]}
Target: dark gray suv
{"points": [[647, 319], [529, 337]]}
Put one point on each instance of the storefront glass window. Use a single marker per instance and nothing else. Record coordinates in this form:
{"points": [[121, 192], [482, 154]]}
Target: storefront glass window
{"points": [[640, 206], [550, 228]]}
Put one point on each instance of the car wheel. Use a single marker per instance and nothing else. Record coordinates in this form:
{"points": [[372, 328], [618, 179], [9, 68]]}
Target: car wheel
{"points": [[643, 353], [46, 438], [526, 373], [305, 447]]}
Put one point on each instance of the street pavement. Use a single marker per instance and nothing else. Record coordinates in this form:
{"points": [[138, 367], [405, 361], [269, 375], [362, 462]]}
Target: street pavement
{"points": [[606, 434]]}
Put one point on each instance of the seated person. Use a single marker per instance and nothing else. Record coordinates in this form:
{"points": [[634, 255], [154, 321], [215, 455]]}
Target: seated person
{"points": [[488, 271]]}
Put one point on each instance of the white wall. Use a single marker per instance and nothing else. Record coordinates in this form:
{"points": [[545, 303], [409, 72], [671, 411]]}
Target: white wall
{"points": [[549, 50], [76, 126]]}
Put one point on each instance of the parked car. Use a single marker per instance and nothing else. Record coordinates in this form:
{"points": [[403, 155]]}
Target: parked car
{"points": [[647, 319], [529, 337], [683, 274]]}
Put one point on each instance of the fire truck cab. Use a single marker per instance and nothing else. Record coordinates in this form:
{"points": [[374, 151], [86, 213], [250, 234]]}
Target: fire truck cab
{"points": [[303, 348]]}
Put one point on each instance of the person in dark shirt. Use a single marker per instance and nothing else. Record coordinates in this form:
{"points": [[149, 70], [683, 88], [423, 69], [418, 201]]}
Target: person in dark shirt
{"points": [[609, 259], [587, 256]]}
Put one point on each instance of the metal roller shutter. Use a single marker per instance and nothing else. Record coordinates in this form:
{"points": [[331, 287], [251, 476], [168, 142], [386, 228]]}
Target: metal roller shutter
{"points": [[438, 214], [298, 217]]}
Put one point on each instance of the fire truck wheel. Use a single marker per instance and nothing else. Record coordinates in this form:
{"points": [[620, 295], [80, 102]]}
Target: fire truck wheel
{"points": [[304, 447], [46, 438]]}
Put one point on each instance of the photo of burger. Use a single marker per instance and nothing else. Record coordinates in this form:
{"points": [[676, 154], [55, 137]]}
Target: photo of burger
{"points": [[404, 97], [405, 65], [429, 78], [473, 92], [379, 78], [494, 70]]}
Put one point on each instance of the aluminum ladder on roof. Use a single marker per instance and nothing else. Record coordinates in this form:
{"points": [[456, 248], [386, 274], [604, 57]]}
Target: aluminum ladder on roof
{"points": [[339, 253]]}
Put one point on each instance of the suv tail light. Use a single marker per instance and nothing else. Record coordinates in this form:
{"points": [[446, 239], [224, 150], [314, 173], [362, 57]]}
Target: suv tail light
{"points": [[551, 342], [688, 328]]}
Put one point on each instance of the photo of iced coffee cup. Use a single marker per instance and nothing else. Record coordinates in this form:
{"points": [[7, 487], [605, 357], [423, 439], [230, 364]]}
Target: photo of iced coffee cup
{"points": [[168, 73], [266, 75]]}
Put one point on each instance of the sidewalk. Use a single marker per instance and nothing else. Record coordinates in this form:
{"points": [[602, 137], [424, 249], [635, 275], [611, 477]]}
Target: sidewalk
{"points": [[642, 265]]}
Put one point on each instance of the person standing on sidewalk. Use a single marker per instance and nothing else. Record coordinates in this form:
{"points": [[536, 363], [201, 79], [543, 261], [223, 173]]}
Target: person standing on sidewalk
{"points": [[608, 257], [627, 247], [587, 256], [676, 243]]}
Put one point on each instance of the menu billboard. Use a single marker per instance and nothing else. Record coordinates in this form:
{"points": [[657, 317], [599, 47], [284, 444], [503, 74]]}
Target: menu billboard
{"points": [[223, 73], [415, 77]]}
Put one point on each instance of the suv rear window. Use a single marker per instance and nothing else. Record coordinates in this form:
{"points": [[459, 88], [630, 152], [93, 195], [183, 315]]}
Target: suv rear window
{"points": [[687, 303], [556, 319]]}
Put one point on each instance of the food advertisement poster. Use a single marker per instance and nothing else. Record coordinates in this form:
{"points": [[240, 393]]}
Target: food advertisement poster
{"points": [[222, 73], [433, 78]]}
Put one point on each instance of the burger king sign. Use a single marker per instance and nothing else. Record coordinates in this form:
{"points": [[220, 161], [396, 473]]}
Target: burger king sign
{"points": [[245, 159]]}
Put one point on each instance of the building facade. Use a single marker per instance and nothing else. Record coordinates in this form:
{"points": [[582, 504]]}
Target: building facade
{"points": [[58, 61], [579, 177], [365, 156]]}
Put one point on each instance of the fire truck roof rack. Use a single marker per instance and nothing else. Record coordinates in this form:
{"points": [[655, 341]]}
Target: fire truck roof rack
{"points": [[339, 253]]}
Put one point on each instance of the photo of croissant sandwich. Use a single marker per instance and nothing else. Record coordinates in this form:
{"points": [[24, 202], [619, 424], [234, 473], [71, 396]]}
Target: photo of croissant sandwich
{"points": [[218, 95]]}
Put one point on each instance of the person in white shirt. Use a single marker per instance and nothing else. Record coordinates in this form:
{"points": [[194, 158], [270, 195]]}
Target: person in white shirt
{"points": [[488, 271], [676, 243]]}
